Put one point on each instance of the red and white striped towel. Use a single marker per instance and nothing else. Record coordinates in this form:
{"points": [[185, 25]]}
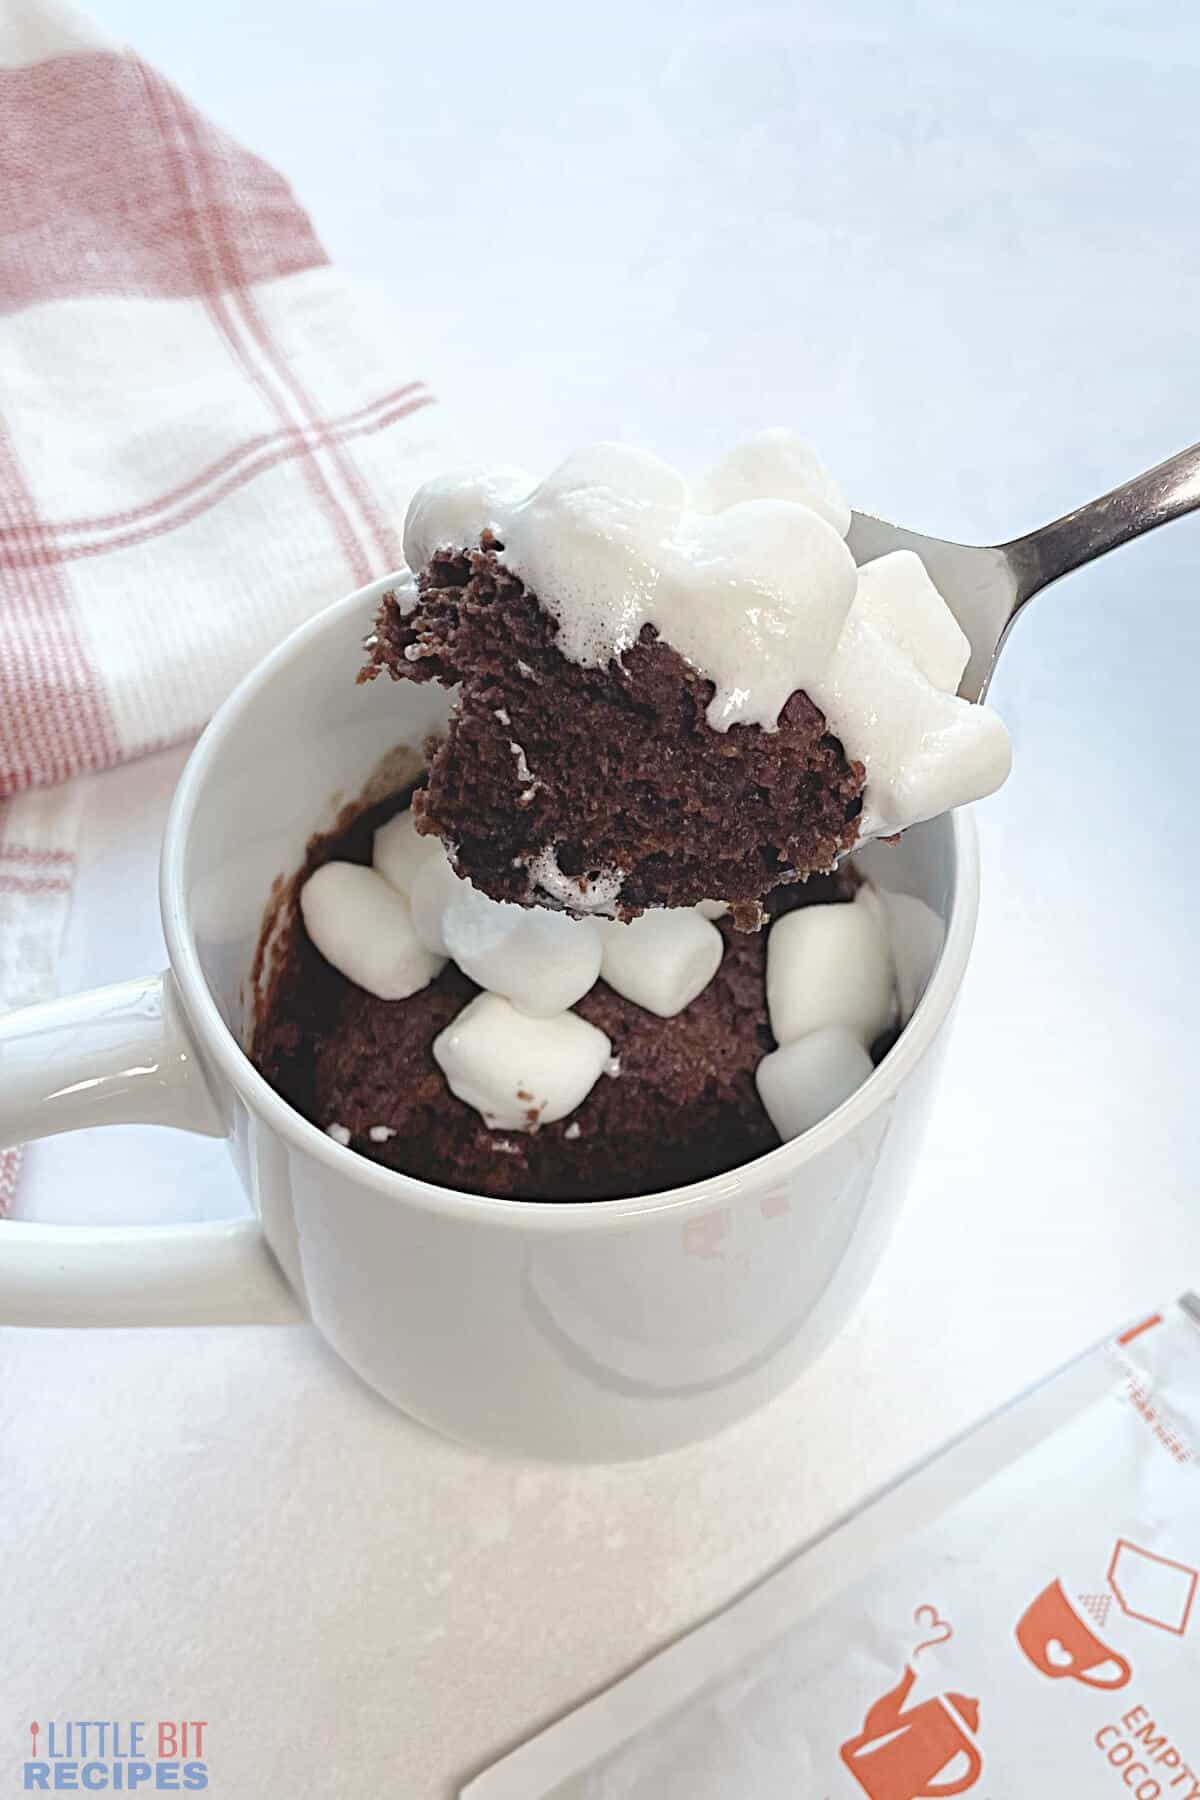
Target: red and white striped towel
{"points": [[202, 439]]}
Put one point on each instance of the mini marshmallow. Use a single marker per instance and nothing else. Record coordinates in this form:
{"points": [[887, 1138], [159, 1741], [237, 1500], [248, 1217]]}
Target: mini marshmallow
{"points": [[542, 961], [662, 959], [361, 925], [829, 965], [711, 909], [544, 966], [805, 1080], [517, 1072], [896, 595], [432, 886], [924, 751], [400, 852]]}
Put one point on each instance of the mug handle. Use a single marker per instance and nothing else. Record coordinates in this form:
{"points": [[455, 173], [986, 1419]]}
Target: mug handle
{"points": [[1124, 1674], [122, 1055], [961, 1783]]}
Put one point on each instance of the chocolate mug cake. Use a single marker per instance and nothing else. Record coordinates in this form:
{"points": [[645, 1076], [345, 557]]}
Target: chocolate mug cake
{"points": [[609, 943]]}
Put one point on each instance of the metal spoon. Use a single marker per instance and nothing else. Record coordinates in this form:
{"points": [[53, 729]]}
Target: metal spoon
{"points": [[986, 586]]}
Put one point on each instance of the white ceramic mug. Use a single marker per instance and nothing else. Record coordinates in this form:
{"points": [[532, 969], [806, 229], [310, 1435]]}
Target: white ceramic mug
{"points": [[584, 1330]]}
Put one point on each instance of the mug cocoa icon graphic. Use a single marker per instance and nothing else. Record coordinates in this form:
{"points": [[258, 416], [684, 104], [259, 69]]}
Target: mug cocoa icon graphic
{"points": [[924, 1753], [1060, 1645]]}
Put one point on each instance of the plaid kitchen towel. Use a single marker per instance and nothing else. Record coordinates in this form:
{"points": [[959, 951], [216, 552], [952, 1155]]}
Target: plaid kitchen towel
{"points": [[202, 439]]}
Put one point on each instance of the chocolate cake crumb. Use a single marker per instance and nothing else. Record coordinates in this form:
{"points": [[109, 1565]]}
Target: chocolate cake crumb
{"points": [[615, 772], [682, 1103]]}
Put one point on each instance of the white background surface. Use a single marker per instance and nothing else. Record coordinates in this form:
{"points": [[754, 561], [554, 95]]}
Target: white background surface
{"points": [[955, 246]]}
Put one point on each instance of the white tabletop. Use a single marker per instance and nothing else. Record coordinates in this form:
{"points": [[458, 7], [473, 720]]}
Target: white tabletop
{"points": [[962, 260]]}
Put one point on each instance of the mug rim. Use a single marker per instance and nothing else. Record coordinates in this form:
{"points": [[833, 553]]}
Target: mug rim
{"points": [[221, 1047]]}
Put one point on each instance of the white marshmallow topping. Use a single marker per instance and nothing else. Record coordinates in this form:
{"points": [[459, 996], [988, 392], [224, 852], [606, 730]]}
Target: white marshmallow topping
{"points": [[803, 1081], [364, 928], [662, 959], [830, 965], [542, 961], [517, 1072], [400, 852], [746, 574]]}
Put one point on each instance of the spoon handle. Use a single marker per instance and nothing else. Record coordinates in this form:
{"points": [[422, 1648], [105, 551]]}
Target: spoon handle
{"points": [[1163, 493]]}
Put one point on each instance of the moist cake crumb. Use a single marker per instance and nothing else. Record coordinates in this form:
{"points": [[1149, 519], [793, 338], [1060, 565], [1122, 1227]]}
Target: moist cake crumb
{"points": [[604, 788]]}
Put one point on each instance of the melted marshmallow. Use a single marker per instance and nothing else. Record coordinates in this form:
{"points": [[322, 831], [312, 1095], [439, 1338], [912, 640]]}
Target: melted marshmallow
{"points": [[596, 892], [747, 575], [753, 595], [778, 466]]}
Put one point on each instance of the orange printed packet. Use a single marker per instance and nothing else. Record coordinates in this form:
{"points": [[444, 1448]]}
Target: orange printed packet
{"points": [[1016, 1620]]}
